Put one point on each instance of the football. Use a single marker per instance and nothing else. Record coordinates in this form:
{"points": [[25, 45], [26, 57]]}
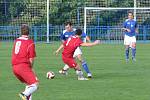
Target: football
{"points": [[50, 75]]}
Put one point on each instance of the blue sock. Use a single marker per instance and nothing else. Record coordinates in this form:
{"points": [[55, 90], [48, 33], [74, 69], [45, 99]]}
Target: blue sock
{"points": [[127, 53], [85, 66], [133, 52]]}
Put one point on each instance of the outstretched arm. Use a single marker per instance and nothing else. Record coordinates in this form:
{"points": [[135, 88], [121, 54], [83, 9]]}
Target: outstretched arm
{"points": [[59, 49], [88, 39], [91, 44]]}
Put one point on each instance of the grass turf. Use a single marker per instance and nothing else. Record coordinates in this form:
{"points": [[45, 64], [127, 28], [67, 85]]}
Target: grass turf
{"points": [[113, 78]]}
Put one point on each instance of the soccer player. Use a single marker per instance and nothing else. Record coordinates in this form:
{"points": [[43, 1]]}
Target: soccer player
{"points": [[69, 31], [69, 46], [23, 55], [130, 30]]}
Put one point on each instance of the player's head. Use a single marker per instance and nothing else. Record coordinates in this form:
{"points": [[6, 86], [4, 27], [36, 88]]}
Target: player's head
{"points": [[130, 15], [24, 29], [78, 32], [68, 26]]}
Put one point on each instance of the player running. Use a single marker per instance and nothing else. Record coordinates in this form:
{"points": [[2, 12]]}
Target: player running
{"points": [[69, 31], [130, 28], [23, 55], [70, 45]]}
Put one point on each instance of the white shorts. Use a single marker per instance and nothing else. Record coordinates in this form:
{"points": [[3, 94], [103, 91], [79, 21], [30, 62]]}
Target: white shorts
{"points": [[129, 40], [77, 52]]}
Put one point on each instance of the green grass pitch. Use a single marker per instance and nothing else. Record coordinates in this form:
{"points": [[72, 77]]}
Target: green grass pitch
{"points": [[113, 78]]}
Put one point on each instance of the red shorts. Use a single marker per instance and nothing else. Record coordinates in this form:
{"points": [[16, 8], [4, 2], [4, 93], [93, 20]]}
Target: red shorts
{"points": [[24, 73], [70, 62]]}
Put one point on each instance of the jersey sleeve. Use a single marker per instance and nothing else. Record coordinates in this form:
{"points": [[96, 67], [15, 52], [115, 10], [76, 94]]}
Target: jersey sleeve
{"points": [[64, 43], [31, 50], [79, 42], [62, 37], [84, 35]]}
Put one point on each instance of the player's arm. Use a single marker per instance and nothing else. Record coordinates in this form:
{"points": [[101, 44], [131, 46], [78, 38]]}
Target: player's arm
{"points": [[59, 49], [62, 38], [32, 53], [88, 39], [90, 44], [124, 27], [31, 61], [136, 28]]}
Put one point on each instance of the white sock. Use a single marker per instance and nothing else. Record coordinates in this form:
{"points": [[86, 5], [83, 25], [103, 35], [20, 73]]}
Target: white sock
{"points": [[30, 97], [79, 73], [31, 88], [66, 67]]}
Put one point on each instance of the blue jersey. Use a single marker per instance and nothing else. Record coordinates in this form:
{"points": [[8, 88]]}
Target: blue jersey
{"points": [[65, 35], [132, 25]]}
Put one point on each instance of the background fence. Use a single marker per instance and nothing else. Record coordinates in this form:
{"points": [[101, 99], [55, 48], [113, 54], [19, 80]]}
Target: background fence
{"points": [[15, 12]]}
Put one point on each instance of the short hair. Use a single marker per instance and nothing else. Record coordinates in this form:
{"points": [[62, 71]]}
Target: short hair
{"points": [[130, 12], [24, 29], [68, 23], [78, 32]]}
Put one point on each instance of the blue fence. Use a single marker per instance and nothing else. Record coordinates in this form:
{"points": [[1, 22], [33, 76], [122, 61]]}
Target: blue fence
{"points": [[109, 34]]}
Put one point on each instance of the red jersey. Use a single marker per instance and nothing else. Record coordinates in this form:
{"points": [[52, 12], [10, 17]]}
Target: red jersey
{"points": [[24, 48], [70, 46]]}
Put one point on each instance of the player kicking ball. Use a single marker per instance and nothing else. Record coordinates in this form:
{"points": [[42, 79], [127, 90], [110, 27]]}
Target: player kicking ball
{"points": [[70, 31], [69, 46], [23, 55]]}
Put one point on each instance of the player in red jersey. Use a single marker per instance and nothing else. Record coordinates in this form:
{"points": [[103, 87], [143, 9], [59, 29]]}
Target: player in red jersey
{"points": [[23, 55], [69, 47]]}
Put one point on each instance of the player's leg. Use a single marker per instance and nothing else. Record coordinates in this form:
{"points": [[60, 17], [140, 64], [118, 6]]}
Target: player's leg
{"points": [[78, 54], [64, 70], [72, 64], [16, 71], [24, 97], [79, 73], [133, 51], [30, 96], [127, 52], [30, 90], [84, 65], [126, 43], [27, 94], [133, 47], [30, 79]]}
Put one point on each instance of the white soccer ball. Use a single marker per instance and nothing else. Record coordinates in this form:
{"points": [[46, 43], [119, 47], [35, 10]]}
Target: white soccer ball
{"points": [[50, 75]]}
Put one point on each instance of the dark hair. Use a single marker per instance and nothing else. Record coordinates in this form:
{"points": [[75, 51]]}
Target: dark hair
{"points": [[68, 23], [78, 32], [130, 12], [24, 29]]}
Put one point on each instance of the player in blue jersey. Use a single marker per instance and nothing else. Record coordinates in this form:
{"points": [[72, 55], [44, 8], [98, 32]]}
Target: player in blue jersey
{"points": [[130, 30], [69, 31]]}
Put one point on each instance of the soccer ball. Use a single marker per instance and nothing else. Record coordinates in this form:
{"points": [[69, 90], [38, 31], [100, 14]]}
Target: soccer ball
{"points": [[50, 75]]}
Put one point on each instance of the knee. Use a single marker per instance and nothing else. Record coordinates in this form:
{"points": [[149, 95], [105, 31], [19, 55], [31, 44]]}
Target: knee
{"points": [[36, 84], [134, 45], [80, 58]]}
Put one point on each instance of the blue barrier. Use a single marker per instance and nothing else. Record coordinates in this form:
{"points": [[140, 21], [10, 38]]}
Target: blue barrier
{"points": [[109, 34]]}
